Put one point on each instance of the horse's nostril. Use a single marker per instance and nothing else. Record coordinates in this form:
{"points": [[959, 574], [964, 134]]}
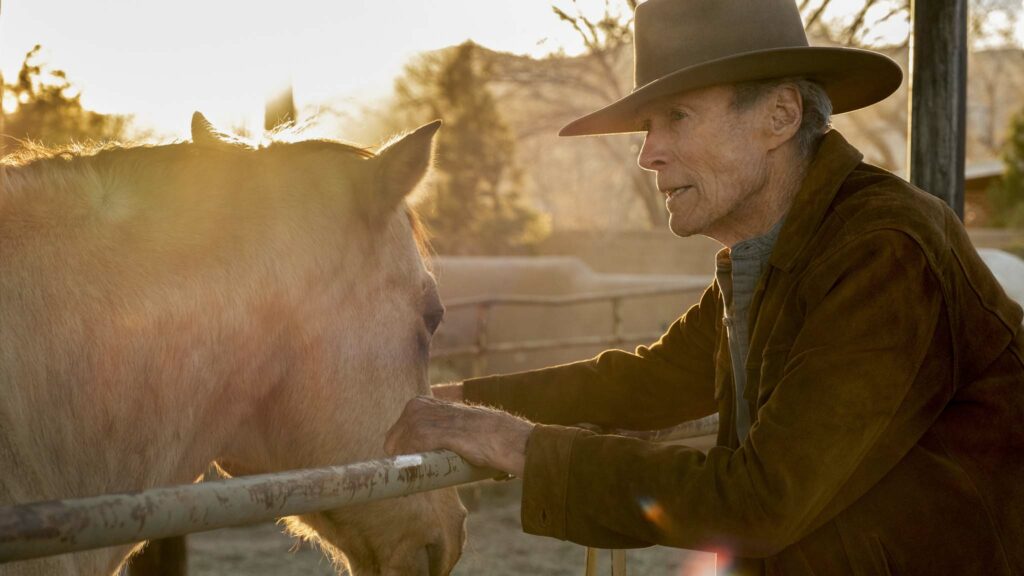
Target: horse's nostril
{"points": [[435, 555], [423, 564]]}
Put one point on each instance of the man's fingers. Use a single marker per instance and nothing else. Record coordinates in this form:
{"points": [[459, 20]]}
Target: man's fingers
{"points": [[482, 436], [393, 440], [409, 434]]}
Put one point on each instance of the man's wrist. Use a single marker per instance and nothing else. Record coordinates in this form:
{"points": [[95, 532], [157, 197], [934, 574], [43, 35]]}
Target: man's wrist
{"points": [[512, 453]]}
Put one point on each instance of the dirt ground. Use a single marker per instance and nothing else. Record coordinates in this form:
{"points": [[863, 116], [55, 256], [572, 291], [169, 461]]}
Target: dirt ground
{"points": [[496, 547]]}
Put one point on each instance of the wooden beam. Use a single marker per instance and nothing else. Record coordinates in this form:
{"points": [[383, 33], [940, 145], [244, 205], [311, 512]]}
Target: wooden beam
{"points": [[938, 95]]}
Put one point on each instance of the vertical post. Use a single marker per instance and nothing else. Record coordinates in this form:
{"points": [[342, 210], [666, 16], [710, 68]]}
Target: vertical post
{"points": [[164, 557], [617, 320], [619, 563], [3, 169], [938, 99], [591, 565], [483, 311]]}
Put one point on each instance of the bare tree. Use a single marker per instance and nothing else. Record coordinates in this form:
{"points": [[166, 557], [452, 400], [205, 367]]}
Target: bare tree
{"points": [[563, 88], [995, 63]]}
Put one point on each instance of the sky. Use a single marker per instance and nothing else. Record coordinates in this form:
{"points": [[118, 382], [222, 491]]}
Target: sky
{"points": [[161, 59]]}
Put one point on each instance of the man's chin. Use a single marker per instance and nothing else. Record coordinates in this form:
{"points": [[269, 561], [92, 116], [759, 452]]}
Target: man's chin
{"points": [[680, 228]]}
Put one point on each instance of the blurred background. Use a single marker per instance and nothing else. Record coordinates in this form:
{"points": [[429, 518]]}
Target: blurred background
{"points": [[503, 75], [548, 249]]}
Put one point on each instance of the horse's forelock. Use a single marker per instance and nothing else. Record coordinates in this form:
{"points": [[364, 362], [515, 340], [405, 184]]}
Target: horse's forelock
{"points": [[420, 234]]}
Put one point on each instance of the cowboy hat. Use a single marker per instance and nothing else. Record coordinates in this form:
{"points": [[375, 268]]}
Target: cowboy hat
{"points": [[682, 45]]}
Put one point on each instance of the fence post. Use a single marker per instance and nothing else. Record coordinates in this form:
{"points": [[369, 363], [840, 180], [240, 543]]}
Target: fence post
{"points": [[164, 557], [938, 95], [617, 320], [483, 311]]}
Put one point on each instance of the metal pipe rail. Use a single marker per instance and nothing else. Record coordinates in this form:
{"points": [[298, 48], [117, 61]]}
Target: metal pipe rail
{"points": [[586, 298], [60, 526]]}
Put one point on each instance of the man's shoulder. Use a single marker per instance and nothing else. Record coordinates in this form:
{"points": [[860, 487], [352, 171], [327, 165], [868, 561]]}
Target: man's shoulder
{"points": [[872, 199]]}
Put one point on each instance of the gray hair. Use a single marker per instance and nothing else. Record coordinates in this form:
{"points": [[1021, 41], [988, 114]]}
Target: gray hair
{"points": [[817, 107]]}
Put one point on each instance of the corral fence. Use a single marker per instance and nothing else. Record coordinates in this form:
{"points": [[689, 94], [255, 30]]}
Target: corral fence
{"points": [[482, 346], [56, 527], [41, 529]]}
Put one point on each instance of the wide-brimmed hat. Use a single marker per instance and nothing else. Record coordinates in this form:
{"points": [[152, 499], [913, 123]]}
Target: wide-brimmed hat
{"points": [[682, 45]]}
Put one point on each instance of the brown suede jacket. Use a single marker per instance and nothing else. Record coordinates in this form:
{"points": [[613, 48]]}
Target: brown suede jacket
{"points": [[886, 388]]}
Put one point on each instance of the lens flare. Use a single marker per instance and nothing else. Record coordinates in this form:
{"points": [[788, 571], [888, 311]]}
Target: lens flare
{"points": [[699, 564], [694, 563], [654, 512]]}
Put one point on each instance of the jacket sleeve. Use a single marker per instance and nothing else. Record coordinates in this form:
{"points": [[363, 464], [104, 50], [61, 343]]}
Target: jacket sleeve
{"points": [[852, 396], [658, 386]]}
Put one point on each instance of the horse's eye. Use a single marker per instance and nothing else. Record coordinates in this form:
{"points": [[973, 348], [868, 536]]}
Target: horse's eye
{"points": [[433, 309], [432, 317]]}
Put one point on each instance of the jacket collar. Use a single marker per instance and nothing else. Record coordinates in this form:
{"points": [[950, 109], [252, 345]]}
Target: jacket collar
{"points": [[832, 163]]}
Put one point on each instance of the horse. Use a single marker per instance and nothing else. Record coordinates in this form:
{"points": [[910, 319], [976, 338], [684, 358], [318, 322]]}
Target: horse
{"points": [[260, 307]]}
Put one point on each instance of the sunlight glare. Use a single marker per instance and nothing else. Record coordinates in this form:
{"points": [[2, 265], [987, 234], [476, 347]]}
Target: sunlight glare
{"points": [[160, 61], [699, 564], [891, 32]]}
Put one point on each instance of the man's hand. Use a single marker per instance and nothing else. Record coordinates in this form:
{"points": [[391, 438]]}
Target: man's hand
{"points": [[484, 437]]}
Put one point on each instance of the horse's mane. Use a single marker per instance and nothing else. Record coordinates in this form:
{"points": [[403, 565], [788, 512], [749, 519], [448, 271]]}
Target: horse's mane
{"points": [[37, 166], [30, 151]]}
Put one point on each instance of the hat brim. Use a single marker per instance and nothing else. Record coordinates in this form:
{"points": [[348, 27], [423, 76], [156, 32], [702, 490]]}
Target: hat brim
{"points": [[852, 78]]}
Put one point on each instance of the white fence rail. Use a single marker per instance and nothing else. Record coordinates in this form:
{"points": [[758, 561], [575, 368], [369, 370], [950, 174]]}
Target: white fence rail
{"points": [[59, 526]]}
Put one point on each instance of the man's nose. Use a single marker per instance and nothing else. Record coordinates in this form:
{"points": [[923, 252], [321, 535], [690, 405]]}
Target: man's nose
{"points": [[652, 154]]}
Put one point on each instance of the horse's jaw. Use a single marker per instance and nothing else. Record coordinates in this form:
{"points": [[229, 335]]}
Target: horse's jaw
{"points": [[422, 534]]}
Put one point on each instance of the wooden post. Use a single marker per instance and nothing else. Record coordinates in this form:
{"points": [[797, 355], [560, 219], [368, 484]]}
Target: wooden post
{"points": [[617, 322], [165, 557], [590, 568], [938, 96], [619, 563], [483, 313]]}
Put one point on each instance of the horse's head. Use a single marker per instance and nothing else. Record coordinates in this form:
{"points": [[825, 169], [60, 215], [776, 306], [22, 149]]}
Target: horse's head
{"points": [[342, 293]]}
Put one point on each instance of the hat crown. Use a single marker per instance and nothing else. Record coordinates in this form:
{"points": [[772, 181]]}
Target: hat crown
{"points": [[671, 35], [683, 45]]}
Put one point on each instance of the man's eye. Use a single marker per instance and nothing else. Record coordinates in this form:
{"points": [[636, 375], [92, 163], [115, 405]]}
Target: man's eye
{"points": [[676, 115]]}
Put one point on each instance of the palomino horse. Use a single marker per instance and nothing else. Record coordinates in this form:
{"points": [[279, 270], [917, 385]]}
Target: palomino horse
{"points": [[267, 309]]}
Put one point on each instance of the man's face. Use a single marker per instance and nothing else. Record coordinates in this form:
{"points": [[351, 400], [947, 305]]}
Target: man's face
{"points": [[710, 160]]}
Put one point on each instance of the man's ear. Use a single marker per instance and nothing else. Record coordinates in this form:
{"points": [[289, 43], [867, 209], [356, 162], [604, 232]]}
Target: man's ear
{"points": [[785, 115]]}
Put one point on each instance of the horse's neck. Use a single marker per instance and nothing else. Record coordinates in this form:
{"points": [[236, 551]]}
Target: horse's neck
{"points": [[100, 562], [170, 458], [117, 437], [90, 563]]}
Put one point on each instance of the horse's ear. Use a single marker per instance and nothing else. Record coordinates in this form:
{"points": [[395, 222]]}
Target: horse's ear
{"points": [[205, 135], [402, 164]]}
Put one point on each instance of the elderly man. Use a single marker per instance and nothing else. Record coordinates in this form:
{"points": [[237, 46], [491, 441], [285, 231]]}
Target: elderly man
{"points": [[866, 366]]}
